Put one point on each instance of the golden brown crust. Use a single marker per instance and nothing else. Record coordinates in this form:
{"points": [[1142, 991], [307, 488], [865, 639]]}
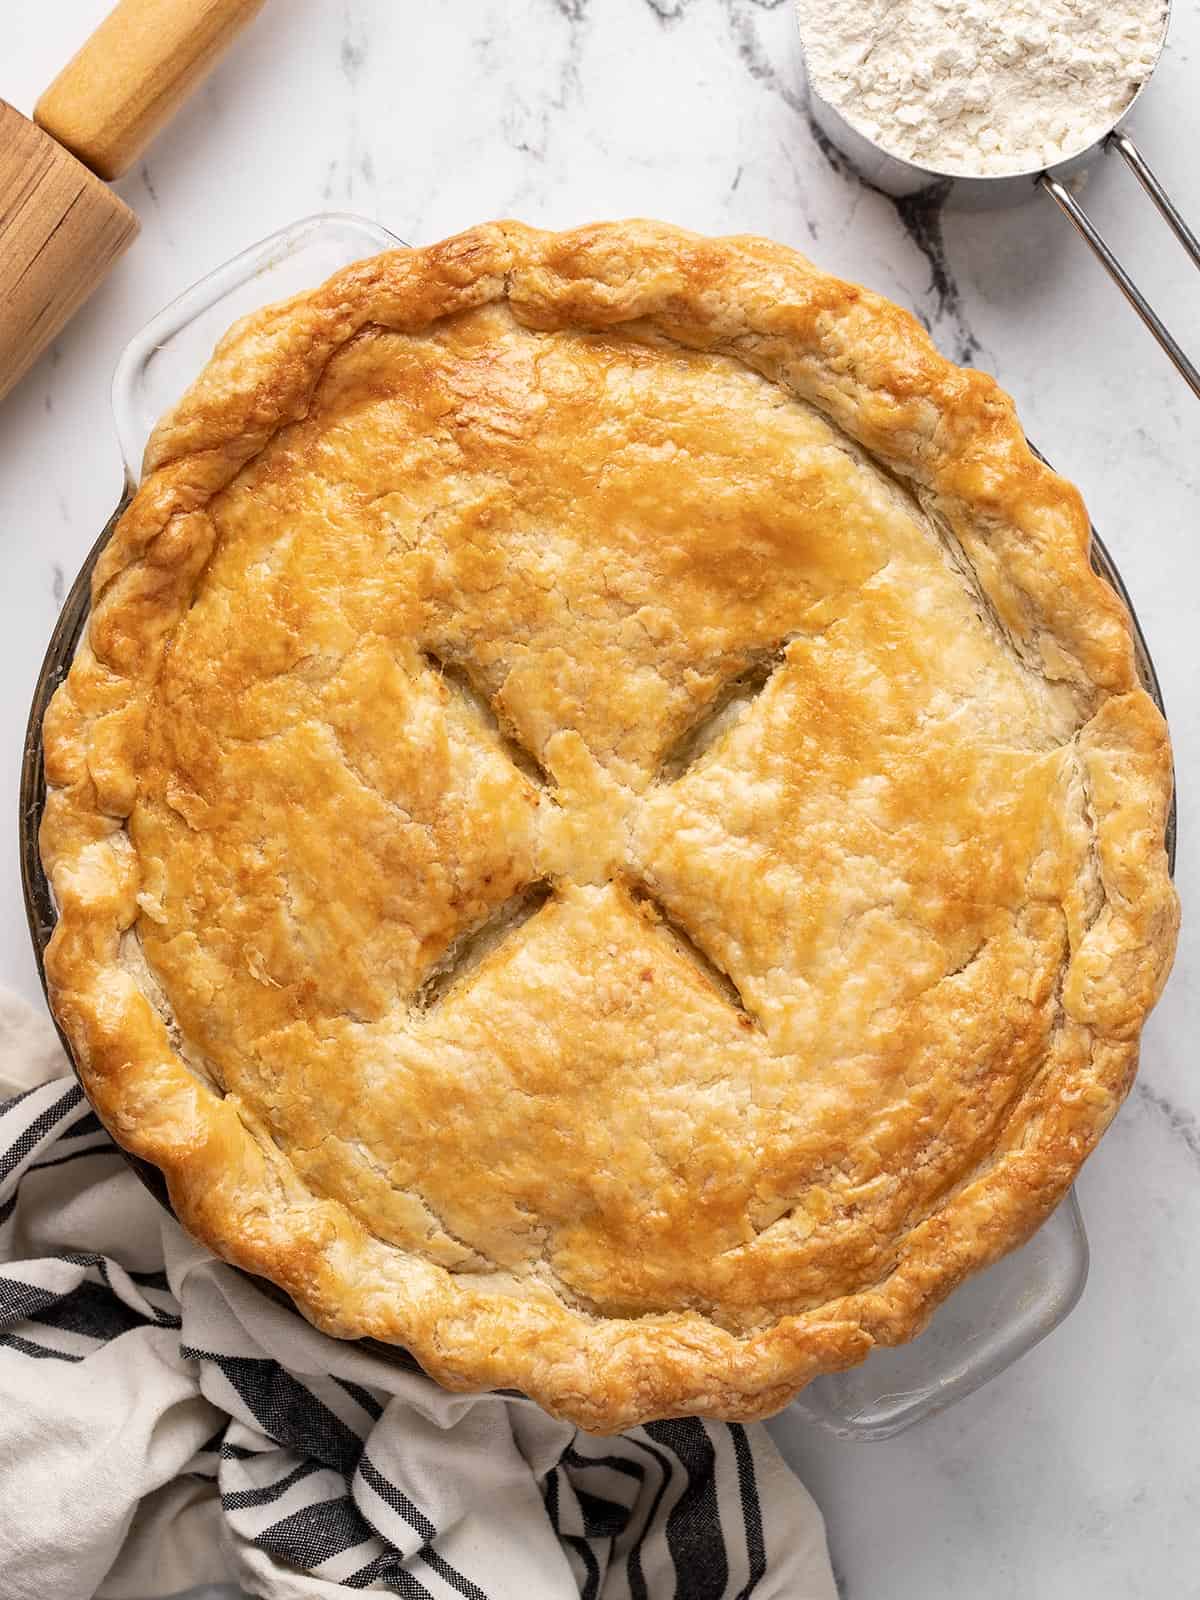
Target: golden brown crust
{"points": [[606, 475]]}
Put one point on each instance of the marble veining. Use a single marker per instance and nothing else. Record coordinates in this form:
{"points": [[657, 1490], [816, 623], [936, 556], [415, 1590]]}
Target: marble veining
{"points": [[920, 215], [1076, 1473], [1183, 1125]]}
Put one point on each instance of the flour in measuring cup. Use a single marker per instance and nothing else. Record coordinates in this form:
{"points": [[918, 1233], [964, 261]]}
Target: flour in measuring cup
{"points": [[981, 87]]}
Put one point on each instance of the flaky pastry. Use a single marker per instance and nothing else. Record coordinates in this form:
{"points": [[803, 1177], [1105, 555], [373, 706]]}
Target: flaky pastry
{"points": [[604, 828]]}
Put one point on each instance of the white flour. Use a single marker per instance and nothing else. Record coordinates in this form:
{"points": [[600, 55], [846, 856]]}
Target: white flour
{"points": [[981, 86]]}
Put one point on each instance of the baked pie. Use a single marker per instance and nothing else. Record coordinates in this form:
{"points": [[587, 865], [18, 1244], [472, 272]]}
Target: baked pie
{"points": [[604, 829]]}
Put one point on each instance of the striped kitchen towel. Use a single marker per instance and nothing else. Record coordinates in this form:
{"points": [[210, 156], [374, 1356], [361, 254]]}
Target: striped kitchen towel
{"points": [[164, 1424]]}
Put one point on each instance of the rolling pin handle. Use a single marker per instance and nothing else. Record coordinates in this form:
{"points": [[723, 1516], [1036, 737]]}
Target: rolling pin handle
{"points": [[131, 76]]}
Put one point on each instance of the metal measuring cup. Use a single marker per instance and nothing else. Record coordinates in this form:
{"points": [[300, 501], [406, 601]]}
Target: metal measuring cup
{"points": [[895, 176]]}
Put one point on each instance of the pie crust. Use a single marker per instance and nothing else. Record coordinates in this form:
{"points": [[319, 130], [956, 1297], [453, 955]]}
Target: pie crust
{"points": [[610, 752]]}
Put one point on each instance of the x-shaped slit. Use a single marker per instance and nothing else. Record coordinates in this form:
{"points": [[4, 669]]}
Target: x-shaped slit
{"points": [[472, 947], [731, 701], [716, 977], [457, 678]]}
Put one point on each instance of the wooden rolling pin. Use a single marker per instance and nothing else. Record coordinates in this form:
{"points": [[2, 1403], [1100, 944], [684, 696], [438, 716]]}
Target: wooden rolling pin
{"points": [[61, 228]]}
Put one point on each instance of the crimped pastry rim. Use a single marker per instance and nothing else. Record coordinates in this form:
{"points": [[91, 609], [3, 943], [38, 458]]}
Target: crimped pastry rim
{"points": [[922, 414]]}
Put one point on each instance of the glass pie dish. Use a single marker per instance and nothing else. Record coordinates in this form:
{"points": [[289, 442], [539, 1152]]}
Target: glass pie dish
{"points": [[989, 1322]]}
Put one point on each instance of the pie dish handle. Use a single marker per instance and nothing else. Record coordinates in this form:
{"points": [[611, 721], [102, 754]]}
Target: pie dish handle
{"points": [[986, 1325], [163, 357]]}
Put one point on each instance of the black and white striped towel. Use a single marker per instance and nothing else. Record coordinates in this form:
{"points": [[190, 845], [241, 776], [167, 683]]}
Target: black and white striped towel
{"points": [[164, 1424]]}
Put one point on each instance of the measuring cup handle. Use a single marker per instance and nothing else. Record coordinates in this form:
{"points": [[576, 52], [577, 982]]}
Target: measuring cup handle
{"points": [[1138, 165], [1094, 239]]}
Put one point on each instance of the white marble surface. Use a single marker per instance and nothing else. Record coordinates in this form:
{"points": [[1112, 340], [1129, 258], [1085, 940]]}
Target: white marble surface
{"points": [[1078, 1472]]}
